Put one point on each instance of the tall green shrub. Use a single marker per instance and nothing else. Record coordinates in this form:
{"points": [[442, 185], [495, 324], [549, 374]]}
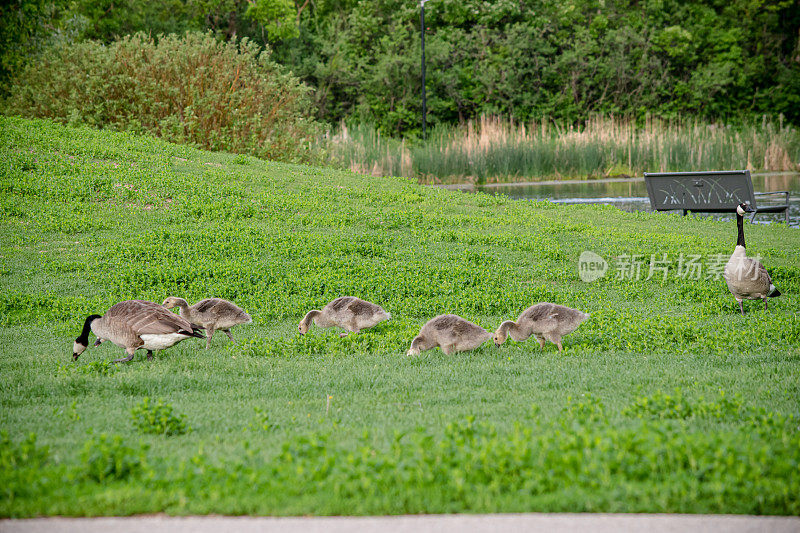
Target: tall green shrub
{"points": [[188, 89]]}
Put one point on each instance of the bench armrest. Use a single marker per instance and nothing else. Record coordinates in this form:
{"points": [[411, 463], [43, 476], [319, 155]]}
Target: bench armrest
{"points": [[771, 192]]}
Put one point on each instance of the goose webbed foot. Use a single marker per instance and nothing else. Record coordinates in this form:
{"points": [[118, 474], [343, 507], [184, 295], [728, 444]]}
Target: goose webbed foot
{"points": [[125, 359]]}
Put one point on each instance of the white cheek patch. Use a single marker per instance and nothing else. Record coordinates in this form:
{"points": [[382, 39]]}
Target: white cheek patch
{"points": [[78, 348]]}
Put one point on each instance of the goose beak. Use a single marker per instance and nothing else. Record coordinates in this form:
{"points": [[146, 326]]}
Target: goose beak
{"points": [[75, 356]]}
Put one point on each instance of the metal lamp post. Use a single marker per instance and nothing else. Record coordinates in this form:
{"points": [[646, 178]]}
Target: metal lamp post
{"points": [[422, 33]]}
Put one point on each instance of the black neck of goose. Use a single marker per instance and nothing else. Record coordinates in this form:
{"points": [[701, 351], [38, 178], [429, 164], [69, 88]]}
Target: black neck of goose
{"points": [[740, 224], [83, 338]]}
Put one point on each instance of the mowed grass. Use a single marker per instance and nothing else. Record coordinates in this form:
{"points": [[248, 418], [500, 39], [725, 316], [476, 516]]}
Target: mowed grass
{"points": [[666, 399]]}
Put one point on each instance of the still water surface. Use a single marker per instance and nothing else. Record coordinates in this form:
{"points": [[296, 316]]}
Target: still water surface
{"points": [[631, 194]]}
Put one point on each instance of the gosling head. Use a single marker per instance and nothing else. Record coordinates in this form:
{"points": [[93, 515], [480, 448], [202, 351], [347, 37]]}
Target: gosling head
{"points": [[414, 348], [499, 337], [743, 208], [170, 302], [303, 327]]}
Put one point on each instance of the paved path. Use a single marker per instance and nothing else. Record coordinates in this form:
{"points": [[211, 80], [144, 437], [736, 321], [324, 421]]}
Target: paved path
{"points": [[505, 523]]}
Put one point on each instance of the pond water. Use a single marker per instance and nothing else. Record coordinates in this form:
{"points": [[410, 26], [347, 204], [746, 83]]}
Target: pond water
{"points": [[630, 194]]}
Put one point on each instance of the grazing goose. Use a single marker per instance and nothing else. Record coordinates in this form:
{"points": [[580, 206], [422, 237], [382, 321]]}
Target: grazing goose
{"points": [[348, 312], [135, 324], [544, 320], [450, 332], [212, 314], [746, 277]]}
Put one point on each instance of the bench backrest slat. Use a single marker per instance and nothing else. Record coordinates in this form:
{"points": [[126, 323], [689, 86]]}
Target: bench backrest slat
{"points": [[700, 191]]}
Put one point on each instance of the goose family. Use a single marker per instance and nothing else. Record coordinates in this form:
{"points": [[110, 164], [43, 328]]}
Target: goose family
{"points": [[449, 332], [347, 312], [211, 314], [136, 324], [746, 277], [545, 321], [140, 324]]}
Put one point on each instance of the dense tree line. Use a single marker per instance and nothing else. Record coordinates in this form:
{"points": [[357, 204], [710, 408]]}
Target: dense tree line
{"points": [[520, 58]]}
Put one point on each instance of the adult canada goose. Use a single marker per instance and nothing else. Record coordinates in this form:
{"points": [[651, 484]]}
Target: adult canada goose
{"points": [[746, 277], [135, 324], [544, 320], [348, 312], [212, 314], [450, 332]]}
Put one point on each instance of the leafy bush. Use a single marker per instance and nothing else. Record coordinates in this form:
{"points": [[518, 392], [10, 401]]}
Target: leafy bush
{"points": [[158, 418], [570, 465], [188, 89], [20, 463], [107, 458], [661, 405]]}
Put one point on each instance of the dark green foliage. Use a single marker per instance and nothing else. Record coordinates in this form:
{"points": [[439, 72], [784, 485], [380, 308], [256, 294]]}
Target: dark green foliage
{"points": [[21, 465], [575, 463], [107, 458], [563, 60], [27, 27], [526, 59], [661, 405], [191, 89], [158, 418]]}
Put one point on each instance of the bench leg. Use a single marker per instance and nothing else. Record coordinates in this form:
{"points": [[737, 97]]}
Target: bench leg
{"points": [[753, 218]]}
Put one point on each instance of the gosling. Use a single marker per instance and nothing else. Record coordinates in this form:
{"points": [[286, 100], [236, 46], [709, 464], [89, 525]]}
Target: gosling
{"points": [[450, 332], [212, 314], [545, 321], [347, 312]]}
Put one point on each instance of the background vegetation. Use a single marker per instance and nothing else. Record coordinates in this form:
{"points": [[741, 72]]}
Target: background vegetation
{"points": [[491, 149], [666, 399], [192, 89], [525, 60]]}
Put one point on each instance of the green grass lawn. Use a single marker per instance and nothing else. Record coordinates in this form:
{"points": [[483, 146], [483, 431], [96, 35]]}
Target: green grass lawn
{"points": [[665, 400]]}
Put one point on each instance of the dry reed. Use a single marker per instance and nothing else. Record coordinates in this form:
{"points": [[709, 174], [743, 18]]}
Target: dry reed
{"points": [[492, 149]]}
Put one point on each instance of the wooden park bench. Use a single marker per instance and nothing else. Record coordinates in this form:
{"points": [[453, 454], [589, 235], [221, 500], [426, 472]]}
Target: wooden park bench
{"points": [[710, 192]]}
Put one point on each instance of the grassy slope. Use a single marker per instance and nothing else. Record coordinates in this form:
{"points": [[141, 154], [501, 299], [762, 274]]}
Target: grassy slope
{"points": [[92, 218]]}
